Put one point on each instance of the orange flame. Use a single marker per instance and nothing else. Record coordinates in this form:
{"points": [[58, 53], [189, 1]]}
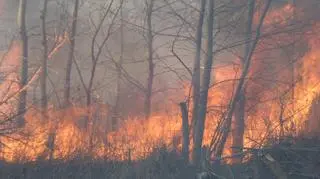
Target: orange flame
{"points": [[136, 138]]}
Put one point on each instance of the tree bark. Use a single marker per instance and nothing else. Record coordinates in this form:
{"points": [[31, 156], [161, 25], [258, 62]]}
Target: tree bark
{"points": [[23, 62], [67, 85], [185, 132], [116, 111], [203, 100], [43, 81], [293, 56], [43, 77], [227, 120], [196, 69], [148, 97], [238, 128], [239, 114]]}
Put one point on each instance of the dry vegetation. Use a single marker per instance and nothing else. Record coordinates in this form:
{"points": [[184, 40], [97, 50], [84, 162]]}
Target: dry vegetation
{"points": [[92, 89]]}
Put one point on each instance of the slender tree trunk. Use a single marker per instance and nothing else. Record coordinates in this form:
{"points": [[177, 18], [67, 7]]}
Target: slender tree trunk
{"points": [[293, 57], [51, 141], [199, 127], [196, 68], [148, 98], [116, 111], [90, 120], [43, 81], [43, 77], [67, 84], [34, 94], [227, 120], [95, 58], [185, 132], [281, 116], [239, 114], [238, 128], [23, 62]]}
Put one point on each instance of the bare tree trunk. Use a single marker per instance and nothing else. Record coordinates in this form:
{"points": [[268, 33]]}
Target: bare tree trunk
{"points": [[196, 68], [238, 128], [34, 94], [239, 114], [51, 141], [67, 84], [147, 102], [281, 116], [293, 57], [43, 81], [24, 62], [227, 120], [116, 111], [185, 132], [43, 77], [199, 127], [95, 58]]}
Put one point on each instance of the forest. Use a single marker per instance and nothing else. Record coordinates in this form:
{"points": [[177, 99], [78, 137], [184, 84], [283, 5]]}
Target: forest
{"points": [[160, 89]]}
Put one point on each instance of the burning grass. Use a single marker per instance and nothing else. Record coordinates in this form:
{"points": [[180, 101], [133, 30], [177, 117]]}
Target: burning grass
{"points": [[136, 138]]}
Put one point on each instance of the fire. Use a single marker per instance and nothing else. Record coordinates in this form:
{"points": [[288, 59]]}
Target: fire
{"points": [[309, 87], [136, 138]]}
